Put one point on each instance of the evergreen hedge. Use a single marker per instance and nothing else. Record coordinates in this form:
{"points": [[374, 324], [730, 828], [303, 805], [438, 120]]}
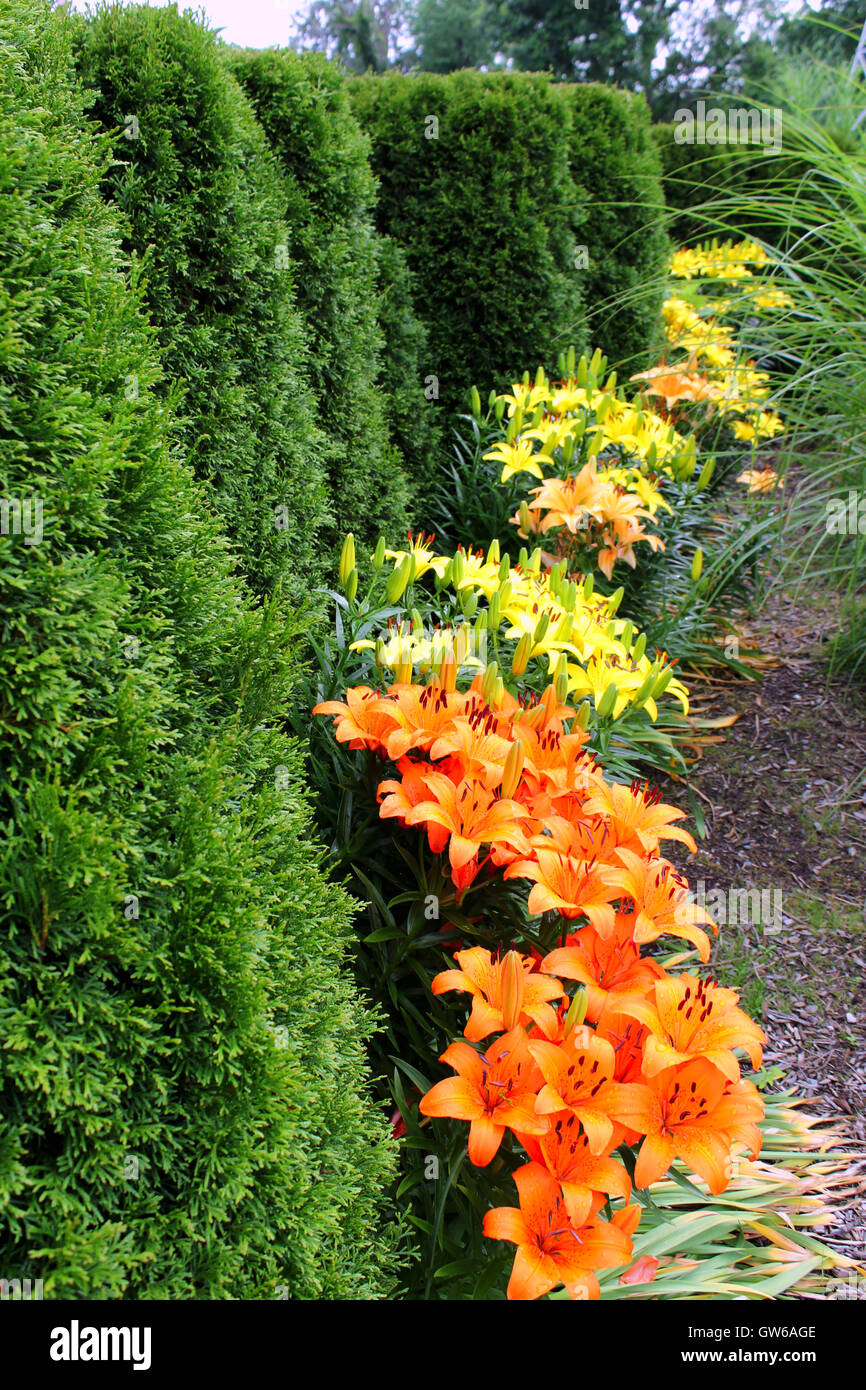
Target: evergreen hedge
{"points": [[619, 218], [185, 1110], [203, 201], [302, 103], [474, 186]]}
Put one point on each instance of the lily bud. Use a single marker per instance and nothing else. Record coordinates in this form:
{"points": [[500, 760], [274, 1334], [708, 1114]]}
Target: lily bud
{"points": [[615, 600], [663, 682], [639, 647], [576, 1010], [521, 655], [512, 989], [513, 769], [448, 673], [461, 643], [607, 702], [378, 556], [560, 685], [494, 616], [588, 586], [581, 718], [706, 474], [398, 580], [541, 629], [493, 553], [403, 673], [488, 680], [347, 559], [504, 568], [469, 602], [525, 518], [697, 565], [499, 408], [475, 401], [645, 689]]}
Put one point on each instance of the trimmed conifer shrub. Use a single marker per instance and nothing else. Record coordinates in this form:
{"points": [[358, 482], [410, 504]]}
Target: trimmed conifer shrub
{"points": [[185, 1110], [204, 203], [474, 185], [302, 103], [619, 218], [416, 421]]}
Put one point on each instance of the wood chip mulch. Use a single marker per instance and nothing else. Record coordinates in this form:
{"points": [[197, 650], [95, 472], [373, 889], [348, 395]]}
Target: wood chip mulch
{"points": [[783, 791]]}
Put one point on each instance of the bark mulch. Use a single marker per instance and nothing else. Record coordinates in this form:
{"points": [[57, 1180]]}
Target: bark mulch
{"points": [[783, 791]]}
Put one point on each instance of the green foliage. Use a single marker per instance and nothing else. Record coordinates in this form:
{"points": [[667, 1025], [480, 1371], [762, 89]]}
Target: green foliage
{"points": [[451, 34], [184, 1091], [302, 103], [619, 219], [415, 423], [482, 207], [202, 199]]}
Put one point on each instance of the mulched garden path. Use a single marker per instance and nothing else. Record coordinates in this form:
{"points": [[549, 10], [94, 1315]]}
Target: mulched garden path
{"points": [[783, 791]]}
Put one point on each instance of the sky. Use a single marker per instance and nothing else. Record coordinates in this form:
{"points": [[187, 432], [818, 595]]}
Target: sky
{"points": [[250, 23], [266, 23]]}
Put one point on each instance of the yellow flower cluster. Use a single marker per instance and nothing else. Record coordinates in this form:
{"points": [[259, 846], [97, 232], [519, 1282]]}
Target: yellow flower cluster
{"points": [[709, 346], [518, 614], [598, 459], [726, 260]]}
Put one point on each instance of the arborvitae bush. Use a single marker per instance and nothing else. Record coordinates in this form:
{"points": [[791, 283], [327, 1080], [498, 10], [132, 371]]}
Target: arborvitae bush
{"points": [[416, 420], [302, 103], [184, 1094], [203, 200], [619, 218], [474, 185]]}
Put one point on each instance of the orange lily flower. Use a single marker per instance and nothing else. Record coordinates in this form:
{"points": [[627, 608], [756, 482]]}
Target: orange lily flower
{"points": [[477, 750], [420, 713], [608, 967], [661, 901], [549, 1251], [504, 992], [472, 816], [399, 798], [695, 1114], [362, 722], [564, 1151], [637, 816], [493, 1092], [688, 1017], [550, 757], [578, 1076]]}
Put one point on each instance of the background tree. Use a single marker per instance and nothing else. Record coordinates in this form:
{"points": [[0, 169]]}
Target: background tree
{"points": [[363, 33], [452, 34]]}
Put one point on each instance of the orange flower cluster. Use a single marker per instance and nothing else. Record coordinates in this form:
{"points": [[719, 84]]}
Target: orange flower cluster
{"points": [[652, 1065], [604, 515], [640, 1057]]}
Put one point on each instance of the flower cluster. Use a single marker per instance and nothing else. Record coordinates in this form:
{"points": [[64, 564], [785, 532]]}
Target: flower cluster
{"points": [[709, 370], [513, 617], [639, 1061], [600, 461]]}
